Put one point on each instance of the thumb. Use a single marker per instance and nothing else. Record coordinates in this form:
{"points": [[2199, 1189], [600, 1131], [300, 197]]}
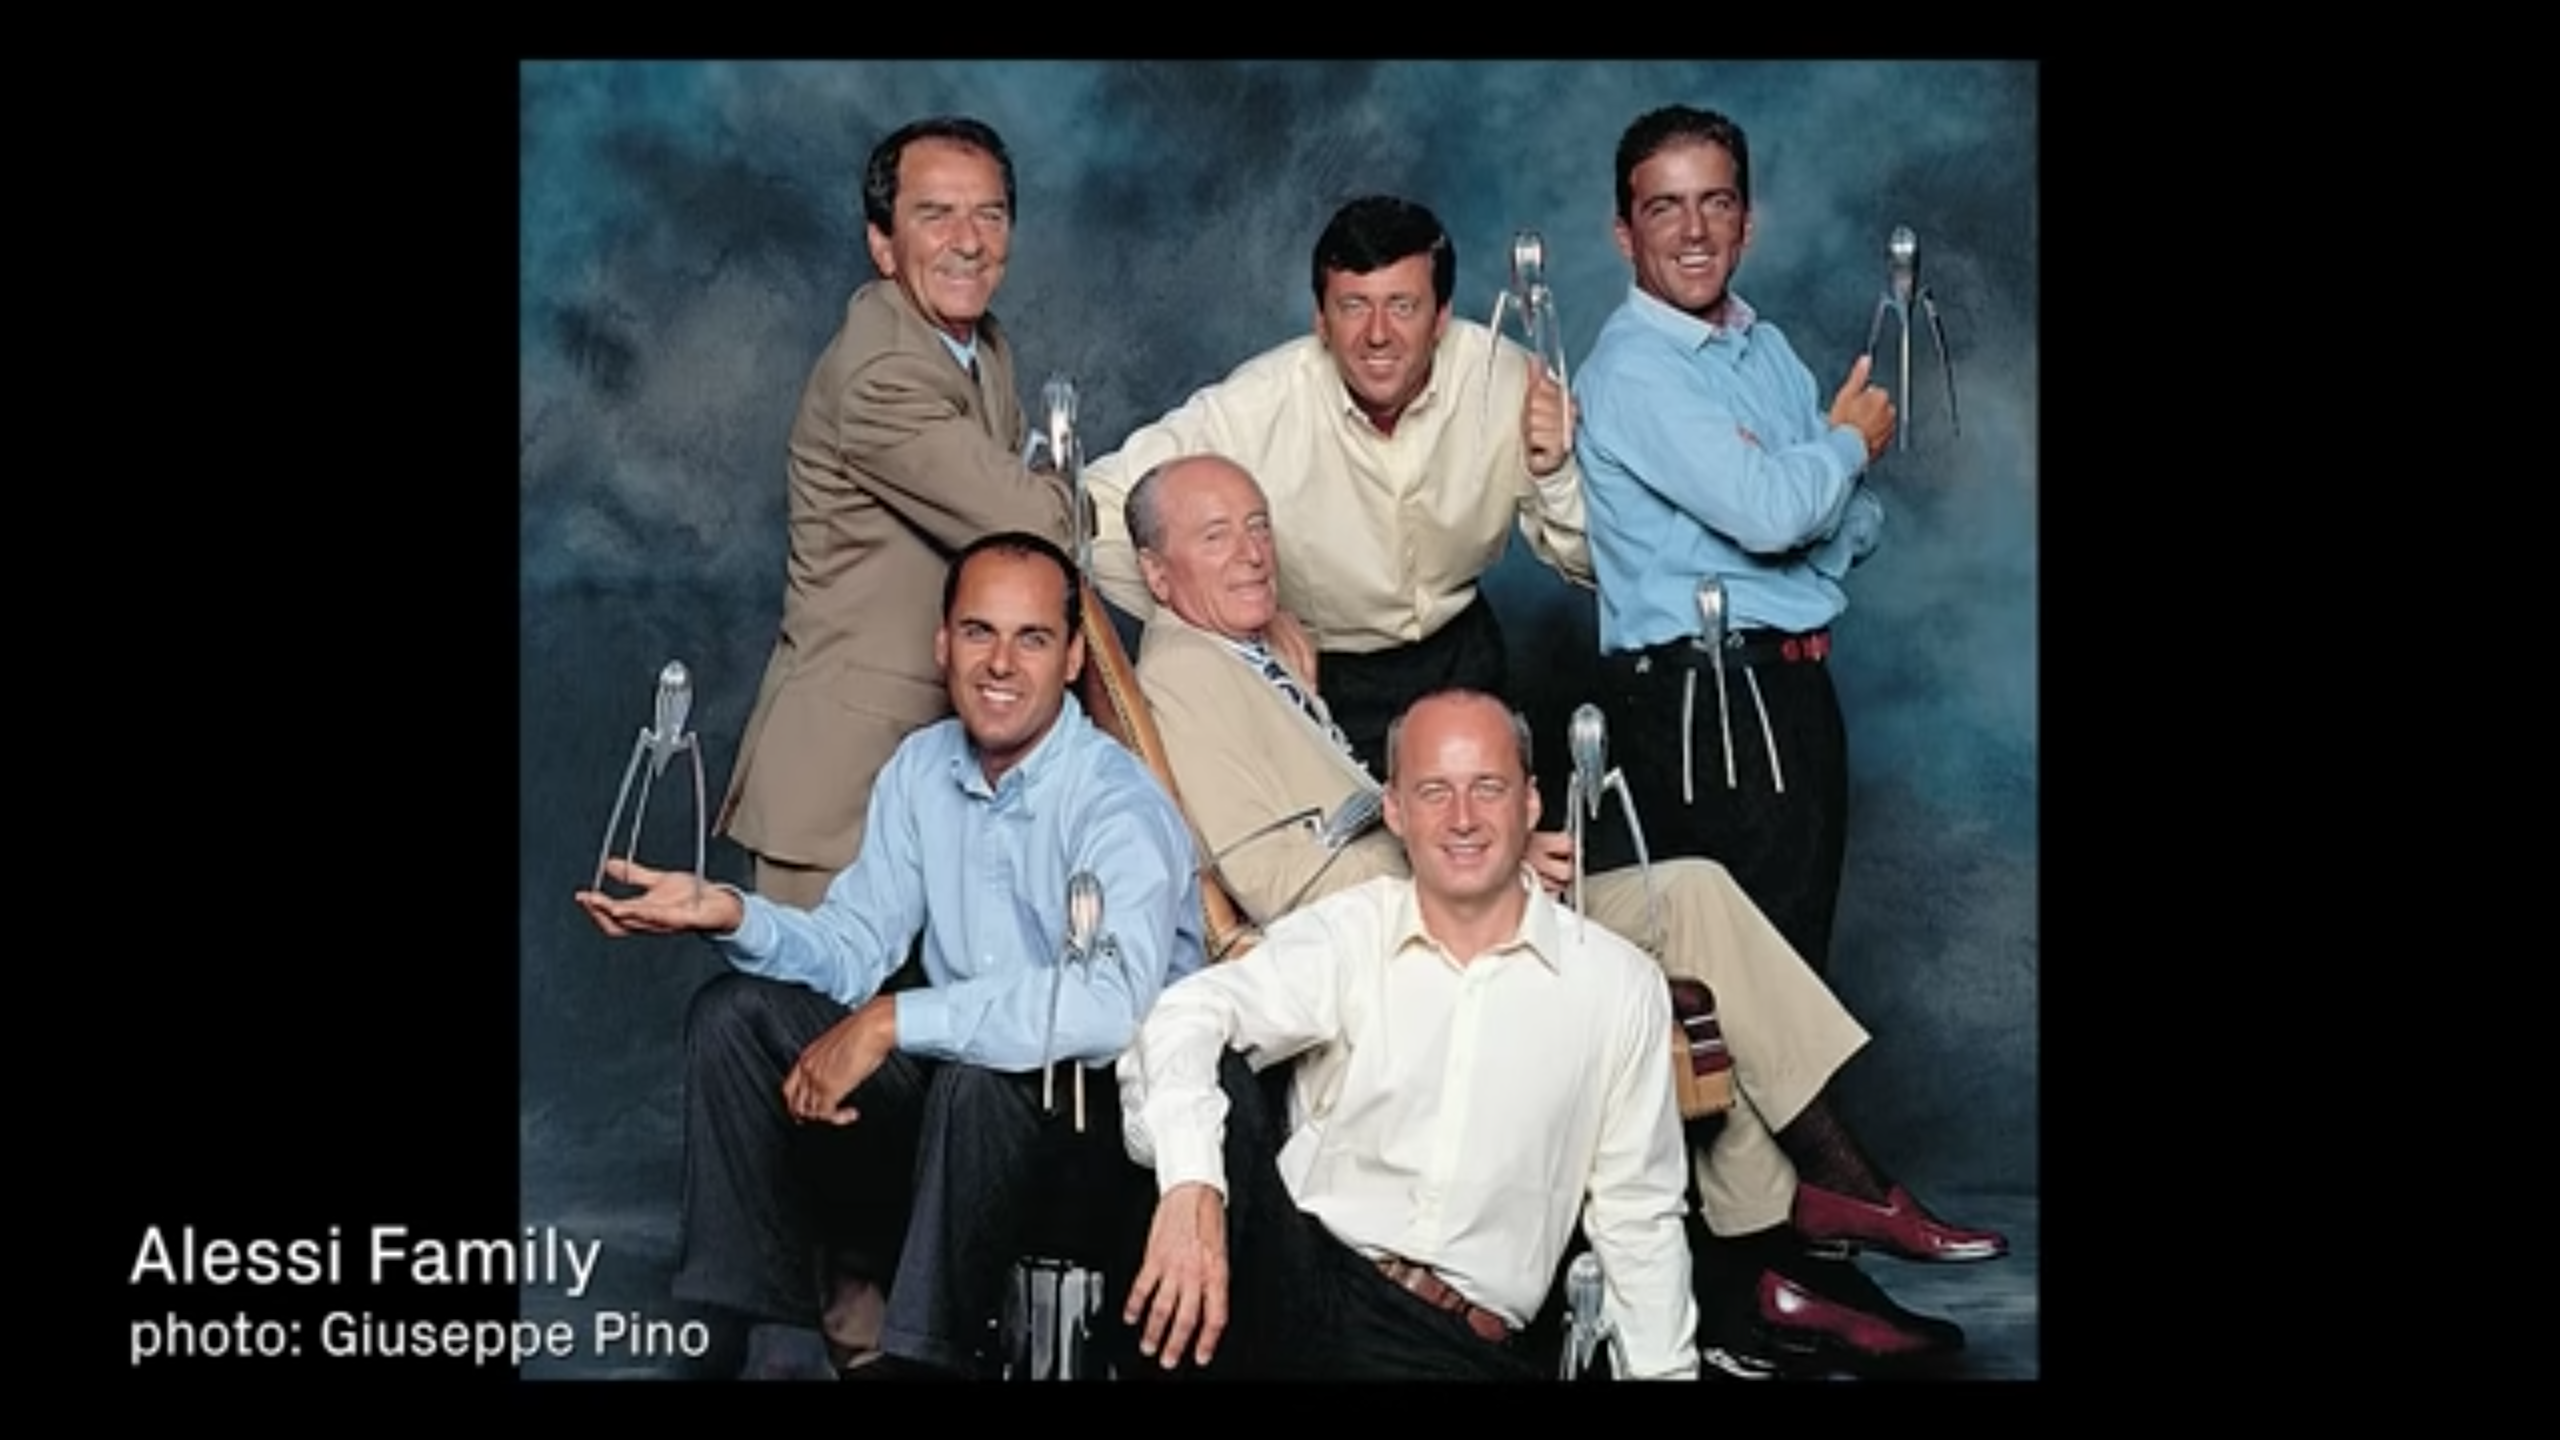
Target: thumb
{"points": [[1858, 373]]}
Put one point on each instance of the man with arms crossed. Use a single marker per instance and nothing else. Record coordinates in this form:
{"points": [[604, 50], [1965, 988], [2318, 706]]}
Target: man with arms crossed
{"points": [[1401, 449], [908, 445], [1489, 1072], [814, 1100], [1245, 752], [1711, 454]]}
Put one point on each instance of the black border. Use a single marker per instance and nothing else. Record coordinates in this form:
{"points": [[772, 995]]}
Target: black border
{"points": [[329, 1024]]}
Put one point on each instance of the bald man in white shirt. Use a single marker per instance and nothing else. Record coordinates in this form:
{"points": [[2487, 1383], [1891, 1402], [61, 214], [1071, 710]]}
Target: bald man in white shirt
{"points": [[1488, 1071]]}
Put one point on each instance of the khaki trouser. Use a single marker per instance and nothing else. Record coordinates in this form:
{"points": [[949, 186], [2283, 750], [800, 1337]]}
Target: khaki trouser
{"points": [[1787, 1033]]}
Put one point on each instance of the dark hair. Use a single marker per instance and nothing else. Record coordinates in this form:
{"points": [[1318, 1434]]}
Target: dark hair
{"points": [[1657, 130], [1519, 724], [880, 176], [1376, 231], [1017, 543]]}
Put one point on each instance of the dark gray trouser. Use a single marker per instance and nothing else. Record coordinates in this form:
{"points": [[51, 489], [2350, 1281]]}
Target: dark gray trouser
{"points": [[949, 1174]]}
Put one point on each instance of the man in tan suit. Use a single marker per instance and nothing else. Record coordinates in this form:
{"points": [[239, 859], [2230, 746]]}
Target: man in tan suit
{"points": [[908, 446], [1250, 742]]}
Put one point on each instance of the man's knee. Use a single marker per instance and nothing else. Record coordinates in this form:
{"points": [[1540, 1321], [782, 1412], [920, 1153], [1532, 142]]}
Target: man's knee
{"points": [[971, 1093], [734, 1010]]}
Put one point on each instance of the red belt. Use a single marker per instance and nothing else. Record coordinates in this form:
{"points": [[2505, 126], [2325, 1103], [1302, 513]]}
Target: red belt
{"points": [[1419, 1281]]}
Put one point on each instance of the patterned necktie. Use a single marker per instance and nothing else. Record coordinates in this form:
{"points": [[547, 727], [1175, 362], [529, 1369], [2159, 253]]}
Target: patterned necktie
{"points": [[1260, 657], [1273, 671]]}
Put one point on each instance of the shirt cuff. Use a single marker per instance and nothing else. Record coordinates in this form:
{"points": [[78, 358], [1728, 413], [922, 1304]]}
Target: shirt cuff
{"points": [[924, 1021], [756, 934], [1850, 446], [1189, 1158]]}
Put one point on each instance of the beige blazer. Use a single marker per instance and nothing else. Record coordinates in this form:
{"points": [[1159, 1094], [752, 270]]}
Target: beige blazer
{"points": [[1242, 755], [897, 460]]}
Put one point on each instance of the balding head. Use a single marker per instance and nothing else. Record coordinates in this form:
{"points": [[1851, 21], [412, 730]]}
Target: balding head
{"points": [[1203, 533]]}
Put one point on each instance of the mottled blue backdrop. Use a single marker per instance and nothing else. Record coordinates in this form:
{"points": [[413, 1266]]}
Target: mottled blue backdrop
{"points": [[690, 232]]}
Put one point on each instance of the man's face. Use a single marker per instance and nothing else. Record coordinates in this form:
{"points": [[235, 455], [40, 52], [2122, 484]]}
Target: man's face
{"points": [[951, 231], [1216, 570], [1381, 329], [1007, 654], [1460, 800], [1689, 227]]}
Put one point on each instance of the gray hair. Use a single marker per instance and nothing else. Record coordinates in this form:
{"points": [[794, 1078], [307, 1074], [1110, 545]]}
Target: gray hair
{"points": [[1142, 511]]}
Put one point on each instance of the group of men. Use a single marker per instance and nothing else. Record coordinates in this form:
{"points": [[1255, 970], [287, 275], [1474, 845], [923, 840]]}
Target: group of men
{"points": [[971, 904]]}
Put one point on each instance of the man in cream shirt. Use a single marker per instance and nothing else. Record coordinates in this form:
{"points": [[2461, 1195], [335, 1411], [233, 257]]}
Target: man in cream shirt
{"points": [[1400, 449], [1489, 1070]]}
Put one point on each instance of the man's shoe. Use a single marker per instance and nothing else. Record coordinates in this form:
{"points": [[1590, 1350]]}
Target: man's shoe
{"points": [[1855, 1323], [1898, 1227]]}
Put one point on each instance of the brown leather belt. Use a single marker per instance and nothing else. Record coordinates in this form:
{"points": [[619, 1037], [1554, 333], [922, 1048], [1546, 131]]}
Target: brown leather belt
{"points": [[1419, 1281]]}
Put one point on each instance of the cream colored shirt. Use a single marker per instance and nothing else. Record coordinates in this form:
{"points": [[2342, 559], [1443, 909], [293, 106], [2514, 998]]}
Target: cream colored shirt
{"points": [[1382, 538], [1456, 1115]]}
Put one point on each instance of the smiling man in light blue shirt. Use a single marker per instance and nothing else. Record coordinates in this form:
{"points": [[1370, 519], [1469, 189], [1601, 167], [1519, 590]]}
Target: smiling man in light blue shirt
{"points": [[821, 1107], [1708, 453]]}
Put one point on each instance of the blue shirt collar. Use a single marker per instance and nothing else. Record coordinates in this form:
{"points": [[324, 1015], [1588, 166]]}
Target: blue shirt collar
{"points": [[1018, 782], [1691, 332], [966, 354]]}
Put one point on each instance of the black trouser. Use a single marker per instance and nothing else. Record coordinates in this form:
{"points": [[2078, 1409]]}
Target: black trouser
{"points": [[1367, 692], [948, 1175], [1784, 848], [1301, 1303]]}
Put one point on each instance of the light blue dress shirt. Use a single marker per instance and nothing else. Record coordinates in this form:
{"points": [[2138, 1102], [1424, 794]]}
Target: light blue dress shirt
{"points": [[1709, 450], [982, 872]]}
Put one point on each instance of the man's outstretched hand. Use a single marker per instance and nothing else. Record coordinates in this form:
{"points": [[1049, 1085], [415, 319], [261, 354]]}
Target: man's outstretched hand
{"points": [[670, 902]]}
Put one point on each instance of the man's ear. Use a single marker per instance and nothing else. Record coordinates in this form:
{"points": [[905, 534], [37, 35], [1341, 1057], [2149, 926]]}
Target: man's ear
{"points": [[1075, 656], [883, 258], [942, 650], [1151, 569], [1536, 804], [1394, 812]]}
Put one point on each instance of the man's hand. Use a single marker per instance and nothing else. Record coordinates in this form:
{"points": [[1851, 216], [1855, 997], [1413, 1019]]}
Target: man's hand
{"points": [[1186, 1274], [1546, 423], [1550, 857], [1296, 648], [836, 1063], [670, 902], [1864, 408]]}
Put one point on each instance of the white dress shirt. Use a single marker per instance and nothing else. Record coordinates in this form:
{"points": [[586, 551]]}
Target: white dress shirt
{"points": [[1458, 1115]]}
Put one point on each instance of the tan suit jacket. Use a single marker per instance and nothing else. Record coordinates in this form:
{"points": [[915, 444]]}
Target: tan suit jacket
{"points": [[897, 460], [1242, 755]]}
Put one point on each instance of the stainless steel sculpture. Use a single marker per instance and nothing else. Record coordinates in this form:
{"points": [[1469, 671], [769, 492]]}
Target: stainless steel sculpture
{"points": [[1587, 1324], [1902, 290], [1086, 942], [659, 743], [1540, 330], [1057, 436], [1587, 741]]}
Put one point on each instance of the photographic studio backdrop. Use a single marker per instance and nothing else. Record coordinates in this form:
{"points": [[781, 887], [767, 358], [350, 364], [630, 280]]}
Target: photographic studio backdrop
{"points": [[689, 234]]}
